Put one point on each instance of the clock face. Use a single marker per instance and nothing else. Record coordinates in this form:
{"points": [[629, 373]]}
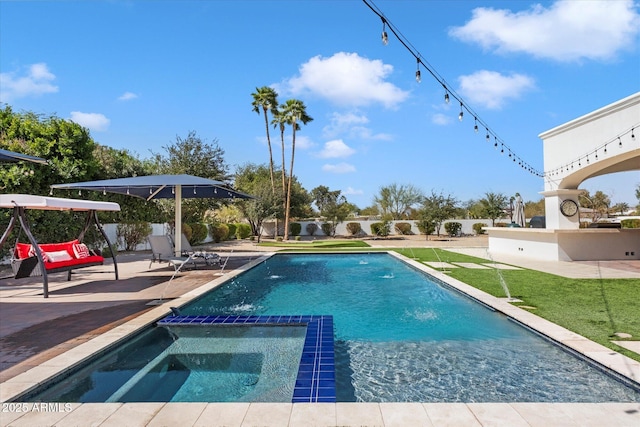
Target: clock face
{"points": [[569, 208]]}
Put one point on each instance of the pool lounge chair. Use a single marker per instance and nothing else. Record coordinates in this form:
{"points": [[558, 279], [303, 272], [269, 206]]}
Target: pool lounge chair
{"points": [[162, 251], [209, 258]]}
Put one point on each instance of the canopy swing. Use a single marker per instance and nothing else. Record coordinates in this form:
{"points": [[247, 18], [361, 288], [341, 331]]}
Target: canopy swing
{"points": [[40, 259]]}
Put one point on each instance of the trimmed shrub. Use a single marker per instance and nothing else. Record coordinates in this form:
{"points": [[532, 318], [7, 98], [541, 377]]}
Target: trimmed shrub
{"points": [[130, 234], [453, 228], [326, 228], [311, 228], [233, 229], [243, 231], [403, 228], [478, 228], [630, 223], [295, 228], [199, 233], [354, 228], [218, 232], [381, 229], [186, 230], [426, 227]]}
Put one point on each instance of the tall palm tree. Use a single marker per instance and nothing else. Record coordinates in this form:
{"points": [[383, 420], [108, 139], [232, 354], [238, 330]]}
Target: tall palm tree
{"points": [[294, 112], [265, 99], [280, 121]]}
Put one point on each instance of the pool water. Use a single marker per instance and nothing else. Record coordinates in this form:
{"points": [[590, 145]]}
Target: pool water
{"points": [[191, 364], [401, 336]]}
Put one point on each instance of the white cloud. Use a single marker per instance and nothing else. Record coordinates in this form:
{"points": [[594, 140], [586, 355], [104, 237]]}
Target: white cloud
{"points": [[37, 81], [491, 89], [441, 119], [335, 149], [350, 191], [346, 79], [566, 31], [339, 168], [93, 121], [352, 124], [127, 96]]}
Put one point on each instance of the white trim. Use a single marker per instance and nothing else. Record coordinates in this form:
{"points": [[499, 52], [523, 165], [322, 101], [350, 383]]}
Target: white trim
{"points": [[54, 203]]}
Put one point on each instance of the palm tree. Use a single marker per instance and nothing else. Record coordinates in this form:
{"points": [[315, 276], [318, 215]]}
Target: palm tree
{"points": [[280, 121], [266, 98], [294, 111]]}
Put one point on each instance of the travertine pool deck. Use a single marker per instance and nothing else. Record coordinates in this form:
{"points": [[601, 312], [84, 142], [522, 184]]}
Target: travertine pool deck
{"points": [[91, 293]]}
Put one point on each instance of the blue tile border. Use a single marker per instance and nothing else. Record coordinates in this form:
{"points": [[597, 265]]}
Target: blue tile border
{"points": [[316, 380]]}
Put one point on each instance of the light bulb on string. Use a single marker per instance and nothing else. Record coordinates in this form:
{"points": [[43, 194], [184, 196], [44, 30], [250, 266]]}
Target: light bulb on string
{"points": [[461, 115], [385, 37], [495, 142], [501, 148], [418, 75], [446, 96], [487, 136], [633, 136], [605, 148], [619, 142], [475, 124]]}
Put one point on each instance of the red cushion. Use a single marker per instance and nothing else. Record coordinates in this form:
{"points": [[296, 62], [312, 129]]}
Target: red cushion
{"points": [[22, 251], [79, 262]]}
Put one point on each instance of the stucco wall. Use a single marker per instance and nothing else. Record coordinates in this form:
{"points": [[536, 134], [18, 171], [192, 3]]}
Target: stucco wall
{"points": [[566, 245]]}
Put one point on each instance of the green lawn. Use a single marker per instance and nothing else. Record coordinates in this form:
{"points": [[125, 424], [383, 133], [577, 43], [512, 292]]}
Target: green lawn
{"points": [[593, 308]]}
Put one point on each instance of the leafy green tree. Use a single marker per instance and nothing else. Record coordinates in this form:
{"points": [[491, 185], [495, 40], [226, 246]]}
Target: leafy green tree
{"points": [[372, 210], [255, 180], [397, 200], [194, 156], [294, 112], [332, 205], [620, 208], [532, 208], [436, 209], [265, 99], [493, 206], [472, 209], [598, 203]]}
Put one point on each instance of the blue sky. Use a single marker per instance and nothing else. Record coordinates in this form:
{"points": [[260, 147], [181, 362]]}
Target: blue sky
{"points": [[140, 73]]}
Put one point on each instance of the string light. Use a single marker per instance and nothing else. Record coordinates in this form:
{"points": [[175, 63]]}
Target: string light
{"points": [[633, 136], [475, 125], [594, 152], [448, 93], [385, 37]]}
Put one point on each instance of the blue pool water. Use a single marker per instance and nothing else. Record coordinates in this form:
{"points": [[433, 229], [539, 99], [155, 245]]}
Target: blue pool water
{"points": [[399, 336], [402, 336]]}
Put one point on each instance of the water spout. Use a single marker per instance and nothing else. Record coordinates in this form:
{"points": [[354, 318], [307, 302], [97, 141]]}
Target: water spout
{"points": [[503, 283]]}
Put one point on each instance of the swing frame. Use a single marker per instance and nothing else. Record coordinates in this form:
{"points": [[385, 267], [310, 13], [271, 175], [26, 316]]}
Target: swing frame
{"points": [[20, 203]]}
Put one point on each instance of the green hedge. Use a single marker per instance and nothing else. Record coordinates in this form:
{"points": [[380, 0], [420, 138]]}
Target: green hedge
{"points": [[243, 231], [295, 228], [630, 223]]}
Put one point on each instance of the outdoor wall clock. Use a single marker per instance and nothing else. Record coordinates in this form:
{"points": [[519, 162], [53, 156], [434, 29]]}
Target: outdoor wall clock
{"points": [[569, 207]]}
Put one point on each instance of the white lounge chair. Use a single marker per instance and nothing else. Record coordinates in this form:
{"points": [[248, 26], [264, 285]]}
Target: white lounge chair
{"points": [[162, 251], [209, 258]]}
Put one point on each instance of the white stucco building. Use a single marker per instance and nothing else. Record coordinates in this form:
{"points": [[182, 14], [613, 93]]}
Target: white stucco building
{"points": [[602, 142]]}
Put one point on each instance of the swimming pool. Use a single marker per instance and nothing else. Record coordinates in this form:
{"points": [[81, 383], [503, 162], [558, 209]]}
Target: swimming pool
{"points": [[400, 336]]}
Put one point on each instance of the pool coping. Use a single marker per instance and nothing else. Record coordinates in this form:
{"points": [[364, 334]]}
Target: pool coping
{"points": [[65, 362]]}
